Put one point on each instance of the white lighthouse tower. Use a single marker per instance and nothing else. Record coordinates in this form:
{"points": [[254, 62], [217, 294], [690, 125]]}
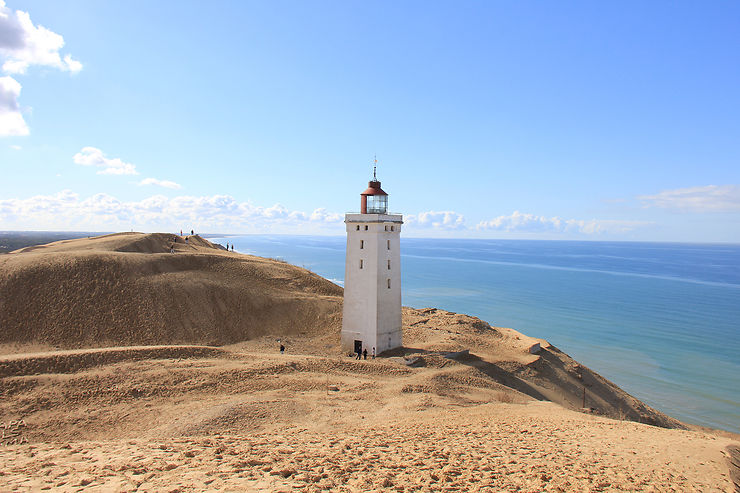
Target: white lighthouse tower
{"points": [[372, 275]]}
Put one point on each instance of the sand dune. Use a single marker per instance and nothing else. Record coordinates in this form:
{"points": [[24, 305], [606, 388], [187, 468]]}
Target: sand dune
{"points": [[255, 421], [127, 289], [462, 407]]}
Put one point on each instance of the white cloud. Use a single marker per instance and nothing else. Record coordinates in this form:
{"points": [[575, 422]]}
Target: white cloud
{"points": [[45, 205], [530, 223], [223, 213], [160, 183], [91, 156], [277, 211], [518, 221], [22, 44], [321, 215], [104, 212], [73, 65], [710, 198], [16, 147], [11, 120], [436, 220]]}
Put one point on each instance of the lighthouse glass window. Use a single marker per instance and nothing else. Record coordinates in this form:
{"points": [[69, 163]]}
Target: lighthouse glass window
{"points": [[377, 204]]}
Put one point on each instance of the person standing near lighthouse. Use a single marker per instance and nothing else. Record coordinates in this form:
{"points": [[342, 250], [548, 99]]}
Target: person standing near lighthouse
{"points": [[371, 315]]}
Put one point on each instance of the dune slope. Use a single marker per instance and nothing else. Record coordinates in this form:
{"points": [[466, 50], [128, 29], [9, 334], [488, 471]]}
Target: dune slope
{"points": [[463, 406], [127, 289], [243, 419]]}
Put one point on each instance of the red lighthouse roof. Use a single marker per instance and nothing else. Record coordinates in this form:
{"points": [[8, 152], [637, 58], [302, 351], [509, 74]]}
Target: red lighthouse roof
{"points": [[373, 188]]}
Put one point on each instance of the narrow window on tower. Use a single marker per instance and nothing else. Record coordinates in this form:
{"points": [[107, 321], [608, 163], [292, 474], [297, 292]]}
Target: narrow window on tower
{"points": [[366, 227], [389, 284], [391, 228], [362, 244], [361, 262], [389, 265], [358, 227], [386, 228], [389, 244]]}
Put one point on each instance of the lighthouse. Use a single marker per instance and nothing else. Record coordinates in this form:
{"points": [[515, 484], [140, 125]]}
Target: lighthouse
{"points": [[371, 317]]}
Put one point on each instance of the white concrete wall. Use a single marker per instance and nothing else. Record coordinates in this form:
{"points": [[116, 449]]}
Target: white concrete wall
{"points": [[372, 310]]}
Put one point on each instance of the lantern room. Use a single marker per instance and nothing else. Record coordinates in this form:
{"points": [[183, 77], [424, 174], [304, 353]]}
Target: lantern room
{"points": [[374, 200]]}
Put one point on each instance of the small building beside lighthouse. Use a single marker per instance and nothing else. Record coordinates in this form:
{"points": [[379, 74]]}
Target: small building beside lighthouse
{"points": [[371, 317]]}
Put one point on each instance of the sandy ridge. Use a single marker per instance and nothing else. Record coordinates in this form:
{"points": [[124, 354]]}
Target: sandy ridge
{"points": [[76, 360]]}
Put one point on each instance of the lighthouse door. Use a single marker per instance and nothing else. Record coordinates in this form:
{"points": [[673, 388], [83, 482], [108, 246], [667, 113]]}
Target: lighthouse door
{"points": [[358, 347]]}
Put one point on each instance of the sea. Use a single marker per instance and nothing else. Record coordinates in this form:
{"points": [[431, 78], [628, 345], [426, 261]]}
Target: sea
{"points": [[660, 320]]}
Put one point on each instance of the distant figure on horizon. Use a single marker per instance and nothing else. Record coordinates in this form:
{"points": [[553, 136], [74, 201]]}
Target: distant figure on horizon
{"points": [[192, 232], [364, 353], [359, 354], [282, 349], [172, 248], [232, 247], [373, 352], [180, 232]]}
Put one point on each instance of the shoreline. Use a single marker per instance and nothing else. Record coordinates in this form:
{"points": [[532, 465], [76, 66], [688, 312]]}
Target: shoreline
{"points": [[144, 245], [552, 317]]}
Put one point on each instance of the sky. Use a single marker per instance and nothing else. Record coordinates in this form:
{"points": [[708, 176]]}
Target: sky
{"points": [[489, 119]]}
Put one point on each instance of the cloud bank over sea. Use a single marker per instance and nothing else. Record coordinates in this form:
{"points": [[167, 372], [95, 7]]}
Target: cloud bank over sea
{"points": [[68, 210]]}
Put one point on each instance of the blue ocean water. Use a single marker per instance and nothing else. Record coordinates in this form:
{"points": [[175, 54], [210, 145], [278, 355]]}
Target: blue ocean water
{"points": [[661, 320]]}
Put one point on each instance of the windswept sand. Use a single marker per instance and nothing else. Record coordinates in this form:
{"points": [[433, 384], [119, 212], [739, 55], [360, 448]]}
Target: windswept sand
{"points": [[127, 289], [250, 421], [244, 417]]}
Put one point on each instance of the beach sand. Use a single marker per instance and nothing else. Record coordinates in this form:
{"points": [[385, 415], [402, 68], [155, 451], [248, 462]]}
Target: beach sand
{"points": [[185, 416], [252, 421]]}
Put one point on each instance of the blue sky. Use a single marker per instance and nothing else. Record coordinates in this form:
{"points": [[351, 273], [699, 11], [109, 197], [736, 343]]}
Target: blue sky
{"points": [[552, 120]]}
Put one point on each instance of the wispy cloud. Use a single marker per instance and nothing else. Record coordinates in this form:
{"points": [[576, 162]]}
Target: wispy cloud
{"points": [[710, 198], [22, 44], [11, 119], [67, 210], [91, 156], [436, 220], [531, 223], [161, 183]]}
